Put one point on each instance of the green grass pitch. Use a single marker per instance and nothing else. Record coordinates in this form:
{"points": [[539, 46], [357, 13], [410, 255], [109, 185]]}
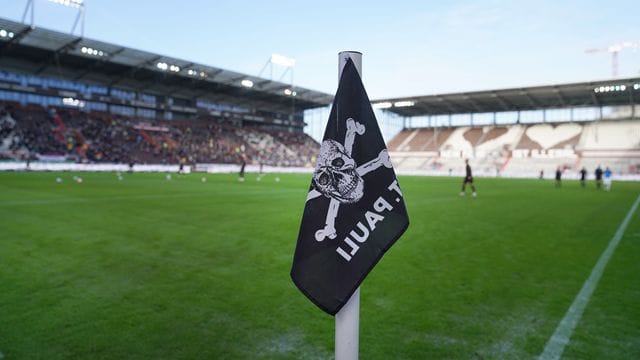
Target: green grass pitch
{"points": [[147, 268]]}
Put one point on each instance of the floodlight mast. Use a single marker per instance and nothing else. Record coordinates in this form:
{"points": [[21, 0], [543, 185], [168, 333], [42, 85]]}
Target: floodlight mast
{"points": [[29, 6], [77, 4], [288, 64], [281, 61], [79, 16]]}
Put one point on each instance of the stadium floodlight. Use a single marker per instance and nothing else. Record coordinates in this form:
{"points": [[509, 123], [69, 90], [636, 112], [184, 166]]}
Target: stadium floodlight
{"points": [[247, 83], [71, 3], [174, 68], [610, 88], [636, 86], [73, 102], [92, 51], [403, 103], [4, 33], [282, 60], [289, 92], [162, 66], [382, 105]]}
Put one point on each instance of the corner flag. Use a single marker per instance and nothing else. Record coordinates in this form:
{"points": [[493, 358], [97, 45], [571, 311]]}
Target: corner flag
{"points": [[354, 210]]}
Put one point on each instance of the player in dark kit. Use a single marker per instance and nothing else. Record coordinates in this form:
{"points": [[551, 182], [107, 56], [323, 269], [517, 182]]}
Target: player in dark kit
{"points": [[468, 179], [558, 177], [599, 177], [242, 165], [583, 177]]}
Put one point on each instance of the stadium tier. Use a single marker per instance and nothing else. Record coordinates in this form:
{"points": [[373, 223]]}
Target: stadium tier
{"points": [[520, 150], [70, 98], [68, 134], [521, 132], [52, 69]]}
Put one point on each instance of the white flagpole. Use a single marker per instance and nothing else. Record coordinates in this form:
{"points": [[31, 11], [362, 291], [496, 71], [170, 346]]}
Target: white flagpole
{"points": [[348, 318]]}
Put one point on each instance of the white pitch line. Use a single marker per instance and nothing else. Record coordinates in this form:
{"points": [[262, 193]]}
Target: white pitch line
{"points": [[560, 338], [84, 200]]}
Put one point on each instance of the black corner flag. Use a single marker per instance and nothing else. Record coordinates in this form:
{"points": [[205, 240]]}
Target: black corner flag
{"points": [[354, 210]]}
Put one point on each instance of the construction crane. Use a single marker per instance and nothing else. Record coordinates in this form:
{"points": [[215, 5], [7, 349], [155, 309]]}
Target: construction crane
{"points": [[614, 49]]}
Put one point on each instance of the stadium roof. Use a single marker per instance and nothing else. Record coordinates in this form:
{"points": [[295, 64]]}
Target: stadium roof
{"points": [[39, 51], [595, 93]]}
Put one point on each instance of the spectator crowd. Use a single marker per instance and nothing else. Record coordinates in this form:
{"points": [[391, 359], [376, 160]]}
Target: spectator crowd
{"points": [[31, 132]]}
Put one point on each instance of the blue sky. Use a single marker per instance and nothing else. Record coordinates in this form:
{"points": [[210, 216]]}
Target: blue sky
{"points": [[409, 47]]}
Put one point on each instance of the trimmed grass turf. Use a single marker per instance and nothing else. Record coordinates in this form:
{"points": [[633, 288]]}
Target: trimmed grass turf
{"points": [[149, 268]]}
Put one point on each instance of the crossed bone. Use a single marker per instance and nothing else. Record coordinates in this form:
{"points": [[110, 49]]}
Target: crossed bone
{"points": [[353, 128]]}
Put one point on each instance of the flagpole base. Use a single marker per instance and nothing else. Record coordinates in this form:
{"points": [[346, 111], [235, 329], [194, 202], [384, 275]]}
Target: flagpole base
{"points": [[347, 328]]}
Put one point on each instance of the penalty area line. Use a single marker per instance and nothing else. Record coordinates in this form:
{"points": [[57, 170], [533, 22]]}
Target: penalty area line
{"points": [[560, 338]]}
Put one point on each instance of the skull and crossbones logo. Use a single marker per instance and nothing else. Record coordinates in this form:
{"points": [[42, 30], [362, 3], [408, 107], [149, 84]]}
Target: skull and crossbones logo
{"points": [[338, 177]]}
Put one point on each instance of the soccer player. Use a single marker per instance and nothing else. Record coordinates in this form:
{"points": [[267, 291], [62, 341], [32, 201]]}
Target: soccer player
{"points": [[242, 165], [558, 177], [598, 177], [468, 179], [583, 177], [607, 179]]}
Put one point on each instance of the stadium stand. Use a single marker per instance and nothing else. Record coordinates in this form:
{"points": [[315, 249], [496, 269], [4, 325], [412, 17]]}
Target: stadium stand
{"points": [[547, 136], [612, 135], [60, 102], [526, 150], [102, 137], [69, 98], [521, 132]]}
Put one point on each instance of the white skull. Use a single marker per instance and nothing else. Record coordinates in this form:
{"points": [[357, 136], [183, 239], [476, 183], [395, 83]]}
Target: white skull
{"points": [[335, 175]]}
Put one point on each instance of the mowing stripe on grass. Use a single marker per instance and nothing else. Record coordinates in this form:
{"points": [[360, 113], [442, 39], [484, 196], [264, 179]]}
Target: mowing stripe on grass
{"points": [[131, 197], [560, 338], [81, 200]]}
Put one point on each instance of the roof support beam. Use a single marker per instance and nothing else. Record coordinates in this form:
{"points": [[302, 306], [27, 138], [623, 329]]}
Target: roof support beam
{"points": [[134, 69], [505, 105], [531, 101], [96, 64], [213, 75], [473, 103], [561, 98], [55, 56], [447, 104], [16, 39]]}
